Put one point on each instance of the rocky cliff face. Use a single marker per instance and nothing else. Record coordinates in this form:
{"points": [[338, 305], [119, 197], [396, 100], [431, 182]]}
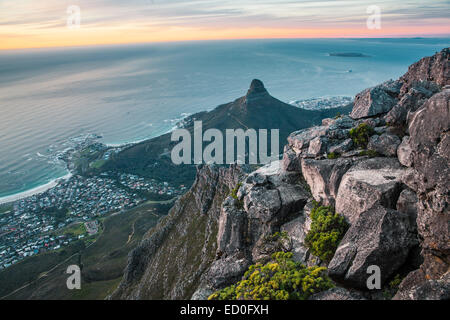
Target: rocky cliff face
{"points": [[173, 256], [385, 168]]}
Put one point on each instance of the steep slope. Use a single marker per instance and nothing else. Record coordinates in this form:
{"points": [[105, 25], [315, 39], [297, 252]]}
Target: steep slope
{"points": [[173, 256]]}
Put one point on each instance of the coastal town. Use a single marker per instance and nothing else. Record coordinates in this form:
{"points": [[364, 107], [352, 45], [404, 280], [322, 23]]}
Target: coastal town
{"points": [[70, 211]]}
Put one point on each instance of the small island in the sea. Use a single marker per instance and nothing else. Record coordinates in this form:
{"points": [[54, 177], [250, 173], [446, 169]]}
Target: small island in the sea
{"points": [[348, 55]]}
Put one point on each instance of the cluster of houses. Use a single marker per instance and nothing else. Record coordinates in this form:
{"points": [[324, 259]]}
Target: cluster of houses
{"points": [[18, 248], [29, 227], [135, 182], [81, 196], [323, 103]]}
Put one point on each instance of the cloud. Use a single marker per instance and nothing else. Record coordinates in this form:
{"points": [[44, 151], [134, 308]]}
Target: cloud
{"points": [[49, 16]]}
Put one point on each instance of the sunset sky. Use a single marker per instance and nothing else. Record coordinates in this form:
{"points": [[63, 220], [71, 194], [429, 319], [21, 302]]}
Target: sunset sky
{"points": [[43, 23]]}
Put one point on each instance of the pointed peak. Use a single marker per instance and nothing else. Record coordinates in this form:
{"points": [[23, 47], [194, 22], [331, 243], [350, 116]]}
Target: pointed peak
{"points": [[256, 90]]}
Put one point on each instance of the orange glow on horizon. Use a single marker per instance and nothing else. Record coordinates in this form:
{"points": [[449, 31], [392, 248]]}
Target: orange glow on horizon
{"points": [[63, 37]]}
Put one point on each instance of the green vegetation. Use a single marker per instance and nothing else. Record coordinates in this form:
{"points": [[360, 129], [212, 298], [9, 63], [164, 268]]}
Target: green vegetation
{"points": [[392, 288], [333, 155], [277, 236], [97, 164], [369, 153], [75, 229], [361, 134], [5, 208], [338, 115], [280, 279], [103, 258], [234, 191], [327, 230], [395, 282]]}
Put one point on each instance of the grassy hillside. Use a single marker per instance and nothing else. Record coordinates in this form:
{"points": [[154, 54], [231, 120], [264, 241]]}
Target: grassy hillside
{"points": [[102, 261]]}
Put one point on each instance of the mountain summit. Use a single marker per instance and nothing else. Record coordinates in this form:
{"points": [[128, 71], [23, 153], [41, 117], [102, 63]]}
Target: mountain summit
{"points": [[256, 110], [257, 91]]}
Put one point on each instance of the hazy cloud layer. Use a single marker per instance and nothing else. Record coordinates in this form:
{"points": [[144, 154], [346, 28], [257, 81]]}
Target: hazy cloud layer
{"points": [[40, 16]]}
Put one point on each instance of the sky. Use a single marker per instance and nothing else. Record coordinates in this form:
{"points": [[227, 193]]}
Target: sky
{"points": [[54, 23]]}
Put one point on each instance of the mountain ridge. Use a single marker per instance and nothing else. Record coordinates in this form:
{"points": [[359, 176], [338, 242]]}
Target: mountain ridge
{"points": [[385, 169], [256, 110]]}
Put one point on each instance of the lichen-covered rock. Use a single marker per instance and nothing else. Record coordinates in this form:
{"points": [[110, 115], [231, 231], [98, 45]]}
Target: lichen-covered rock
{"points": [[337, 293], [270, 244], [385, 144], [232, 228], [227, 270], [341, 148], [407, 203], [299, 140], [368, 183], [269, 204], [324, 177], [379, 236], [430, 179], [404, 152], [291, 162], [318, 146], [268, 198], [171, 259], [433, 69], [416, 287], [410, 102], [297, 230], [316, 141], [372, 102]]}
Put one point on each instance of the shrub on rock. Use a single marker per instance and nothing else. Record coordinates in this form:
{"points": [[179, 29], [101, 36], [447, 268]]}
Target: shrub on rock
{"points": [[327, 230], [361, 134], [280, 279]]}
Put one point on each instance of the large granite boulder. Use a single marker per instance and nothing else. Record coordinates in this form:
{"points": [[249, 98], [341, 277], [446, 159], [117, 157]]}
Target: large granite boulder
{"points": [[433, 69], [342, 147], [290, 162], [411, 101], [318, 146], [324, 177], [368, 183], [270, 197], [316, 141], [226, 270], [232, 228], [385, 144], [375, 101], [430, 179], [379, 236]]}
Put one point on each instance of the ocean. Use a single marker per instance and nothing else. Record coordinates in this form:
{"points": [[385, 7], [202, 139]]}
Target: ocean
{"points": [[52, 98]]}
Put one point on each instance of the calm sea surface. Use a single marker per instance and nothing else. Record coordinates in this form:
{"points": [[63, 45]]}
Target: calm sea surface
{"points": [[49, 98]]}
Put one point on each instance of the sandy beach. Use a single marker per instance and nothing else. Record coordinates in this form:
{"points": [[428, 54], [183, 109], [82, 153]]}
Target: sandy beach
{"points": [[34, 191]]}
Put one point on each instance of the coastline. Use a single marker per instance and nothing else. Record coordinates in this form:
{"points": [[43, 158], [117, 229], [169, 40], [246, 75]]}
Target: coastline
{"points": [[34, 191], [44, 187]]}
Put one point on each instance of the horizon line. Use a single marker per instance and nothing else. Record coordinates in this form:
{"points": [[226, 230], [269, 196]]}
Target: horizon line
{"points": [[434, 36]]}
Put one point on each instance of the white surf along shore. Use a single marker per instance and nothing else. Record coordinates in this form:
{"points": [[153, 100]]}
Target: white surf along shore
{"points": [[37, 190]]}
